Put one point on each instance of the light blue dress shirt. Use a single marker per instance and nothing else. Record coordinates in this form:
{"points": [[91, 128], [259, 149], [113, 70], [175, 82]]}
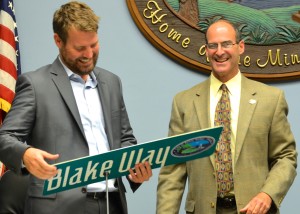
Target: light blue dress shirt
{"points": [[92, 119]]}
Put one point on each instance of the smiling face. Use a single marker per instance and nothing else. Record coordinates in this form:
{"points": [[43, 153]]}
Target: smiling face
{"points": [[224, 58], [80, 51]]}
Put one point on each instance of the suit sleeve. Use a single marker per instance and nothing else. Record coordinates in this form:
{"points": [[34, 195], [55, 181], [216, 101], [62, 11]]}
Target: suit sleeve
{"points": [[17, 125], [282, 154]]}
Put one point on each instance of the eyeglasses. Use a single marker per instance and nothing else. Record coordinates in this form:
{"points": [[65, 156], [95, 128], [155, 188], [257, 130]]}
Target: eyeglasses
{"points": [[225, 44]]}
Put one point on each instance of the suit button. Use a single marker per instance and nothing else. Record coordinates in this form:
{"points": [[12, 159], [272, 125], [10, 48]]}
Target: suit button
{"points": [[212, 204]]}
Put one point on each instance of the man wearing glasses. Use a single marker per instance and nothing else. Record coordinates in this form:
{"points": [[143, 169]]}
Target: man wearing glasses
{"points": [[255, 160]]}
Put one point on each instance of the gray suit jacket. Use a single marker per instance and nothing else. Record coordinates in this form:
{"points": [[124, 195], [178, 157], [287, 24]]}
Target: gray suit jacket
{"points": [[265, 155], [45, 115]]}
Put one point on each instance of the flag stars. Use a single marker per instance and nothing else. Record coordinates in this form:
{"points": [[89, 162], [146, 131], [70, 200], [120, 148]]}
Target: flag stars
{"points": [[17, 38], [10, 5]]}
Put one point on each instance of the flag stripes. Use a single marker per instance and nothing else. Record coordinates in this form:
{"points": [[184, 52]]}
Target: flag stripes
{"points": [[9, 59]]}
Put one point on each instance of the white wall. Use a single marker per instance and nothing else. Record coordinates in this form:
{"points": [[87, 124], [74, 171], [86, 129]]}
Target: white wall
{"points": [[150, 79]]}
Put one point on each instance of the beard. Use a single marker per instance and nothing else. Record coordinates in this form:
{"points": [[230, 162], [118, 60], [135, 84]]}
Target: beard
{"points": [[81, 65]]}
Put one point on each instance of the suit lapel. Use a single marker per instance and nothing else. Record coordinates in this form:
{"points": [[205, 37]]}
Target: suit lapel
{"points": [[201, 103], [105, 103], [248, 103], [202, 108], [62, 82]]}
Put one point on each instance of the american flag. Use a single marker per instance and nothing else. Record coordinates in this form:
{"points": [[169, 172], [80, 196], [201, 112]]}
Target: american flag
{"points": [[10, 66]]}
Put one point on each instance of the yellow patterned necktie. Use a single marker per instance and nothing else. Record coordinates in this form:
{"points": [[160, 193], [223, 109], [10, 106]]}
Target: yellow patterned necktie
{"points": [[223, 152]]}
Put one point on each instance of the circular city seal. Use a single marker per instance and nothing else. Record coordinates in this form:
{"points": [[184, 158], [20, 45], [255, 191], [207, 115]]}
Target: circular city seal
{"points": [[270, 29], [192, 146]]}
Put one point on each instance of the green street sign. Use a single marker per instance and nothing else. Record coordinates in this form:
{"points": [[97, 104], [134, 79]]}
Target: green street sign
{"points": [[167, 151]]}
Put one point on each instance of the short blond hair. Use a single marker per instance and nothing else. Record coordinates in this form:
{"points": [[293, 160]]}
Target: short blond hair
{"points": [[74, 14]]}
